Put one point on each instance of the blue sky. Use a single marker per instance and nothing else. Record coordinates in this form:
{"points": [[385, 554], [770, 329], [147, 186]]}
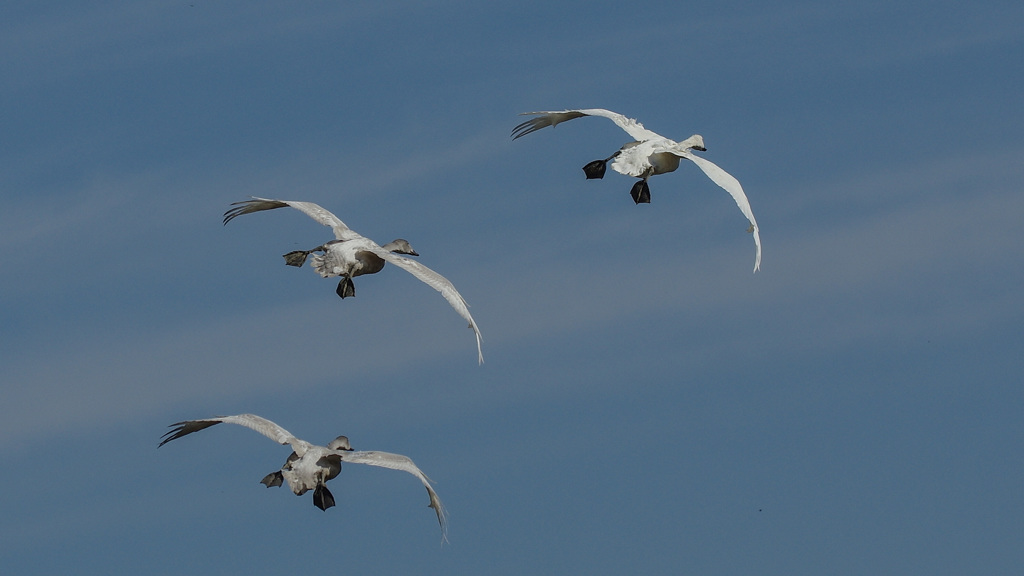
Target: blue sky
{"points": [[647, 404]]}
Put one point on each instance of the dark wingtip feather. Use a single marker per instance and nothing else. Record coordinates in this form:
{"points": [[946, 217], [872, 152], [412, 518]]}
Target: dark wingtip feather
{"points": [[179, 429], [250, 206], [531, 125], [237, 210]]}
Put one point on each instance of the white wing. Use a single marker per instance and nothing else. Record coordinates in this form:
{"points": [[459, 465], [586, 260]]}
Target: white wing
{"points": [[251, 421], [732, 186], [405, 464], [314, 211], [343, 232], [437, 282], [551, 118]]}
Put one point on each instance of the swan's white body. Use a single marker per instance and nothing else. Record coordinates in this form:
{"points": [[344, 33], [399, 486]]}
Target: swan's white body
{"points": [[310, 466], [351, 254], [650, 154]]}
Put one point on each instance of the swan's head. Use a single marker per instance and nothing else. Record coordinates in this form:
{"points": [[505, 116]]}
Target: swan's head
{"points": [[340, 443], [695, 142], [400, 246]]}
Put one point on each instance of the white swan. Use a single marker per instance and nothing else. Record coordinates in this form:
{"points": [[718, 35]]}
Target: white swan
{"points": [[309, 467], [351, 255], [648, 155]]}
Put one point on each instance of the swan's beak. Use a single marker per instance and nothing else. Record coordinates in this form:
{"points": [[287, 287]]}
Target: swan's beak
{"points": [[700, 149]]}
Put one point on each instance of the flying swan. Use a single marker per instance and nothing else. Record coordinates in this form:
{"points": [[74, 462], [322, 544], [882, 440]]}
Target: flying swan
{"points": [[649, 154], [310, 467], [350, 255]]}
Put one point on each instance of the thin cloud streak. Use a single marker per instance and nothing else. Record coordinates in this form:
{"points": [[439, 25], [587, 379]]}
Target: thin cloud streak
{"points": [[906, 255]]}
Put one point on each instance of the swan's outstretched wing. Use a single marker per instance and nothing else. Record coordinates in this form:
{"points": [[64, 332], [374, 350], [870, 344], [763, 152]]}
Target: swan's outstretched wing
{"points": [[545, 119], [405, 464], [437, 282], [732, 186], [314, 211], [251, 421]]}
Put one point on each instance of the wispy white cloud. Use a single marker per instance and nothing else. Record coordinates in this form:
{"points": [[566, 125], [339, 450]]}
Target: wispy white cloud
{"points": [[900, 272]]}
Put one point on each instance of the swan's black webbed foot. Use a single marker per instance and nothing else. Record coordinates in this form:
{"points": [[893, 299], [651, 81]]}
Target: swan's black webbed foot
{"points": [[595, 170], [322, 497], [641, 193], [273, 479], [346, 288], [297, 258]]}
